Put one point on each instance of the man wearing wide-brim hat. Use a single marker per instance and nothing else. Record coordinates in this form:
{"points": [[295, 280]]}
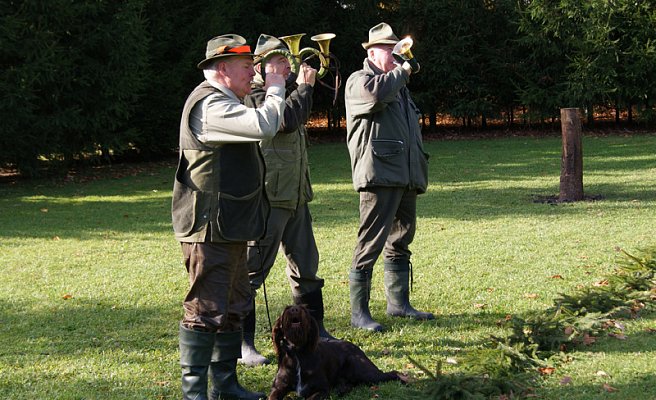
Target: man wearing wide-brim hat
{"points": [[389, 169], [218, 205], [288, 188]]}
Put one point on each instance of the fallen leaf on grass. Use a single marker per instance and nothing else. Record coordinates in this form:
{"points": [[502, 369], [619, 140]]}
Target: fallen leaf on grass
{"points": [[531, 295], [588, 340], [56, 239], [451, 360], [44, 210], [619, 336], [67, 296], [546, 370], [609, 388], [603, 282], [651, 330], [613, 324], [557, 276], [480, 305], [602, 374], [566, 380]]}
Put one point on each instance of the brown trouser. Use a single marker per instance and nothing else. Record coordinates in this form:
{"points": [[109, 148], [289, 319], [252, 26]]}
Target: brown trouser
{"points": [[219, 293], [388, 221]]}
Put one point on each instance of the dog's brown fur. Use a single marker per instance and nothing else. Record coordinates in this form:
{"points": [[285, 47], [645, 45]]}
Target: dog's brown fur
{"points": [[311, 366]]}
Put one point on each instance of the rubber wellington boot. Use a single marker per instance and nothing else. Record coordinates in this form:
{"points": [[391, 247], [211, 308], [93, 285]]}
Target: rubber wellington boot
{"points": [[195, 356], [314, 303], [223, 369], [249, 354], [397, 291], [360, 286]]}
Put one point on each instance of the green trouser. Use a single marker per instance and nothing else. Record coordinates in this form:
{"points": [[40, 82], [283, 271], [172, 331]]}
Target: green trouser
{"points": [[291, 232]]}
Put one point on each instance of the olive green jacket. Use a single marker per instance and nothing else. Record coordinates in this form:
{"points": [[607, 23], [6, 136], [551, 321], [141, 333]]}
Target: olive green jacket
{"points": [[287, 179], [383, 131]]}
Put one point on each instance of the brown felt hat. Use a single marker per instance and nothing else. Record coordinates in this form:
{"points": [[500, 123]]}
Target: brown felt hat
{"points": [[381, 34], [225, 46]]}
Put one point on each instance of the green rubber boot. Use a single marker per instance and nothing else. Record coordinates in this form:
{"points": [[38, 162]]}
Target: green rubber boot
{"points": [[360, 286], [314, 303], [223, 369], [397, 291], [195, 356]]}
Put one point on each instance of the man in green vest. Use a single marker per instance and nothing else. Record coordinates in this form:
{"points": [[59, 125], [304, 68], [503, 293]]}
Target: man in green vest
{"points": [[219, 205], [289, 226]]}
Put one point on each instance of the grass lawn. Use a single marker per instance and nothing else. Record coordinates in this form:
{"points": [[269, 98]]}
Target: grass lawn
{"points": [[92, 283]]}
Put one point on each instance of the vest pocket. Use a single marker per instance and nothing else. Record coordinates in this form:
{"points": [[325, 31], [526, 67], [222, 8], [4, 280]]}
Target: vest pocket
{"points": [[184, 208], [242, 218]]}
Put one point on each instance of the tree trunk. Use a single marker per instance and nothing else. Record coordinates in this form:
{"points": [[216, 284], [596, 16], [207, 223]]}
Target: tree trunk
{"points": [[571, 167], [432, 120]]}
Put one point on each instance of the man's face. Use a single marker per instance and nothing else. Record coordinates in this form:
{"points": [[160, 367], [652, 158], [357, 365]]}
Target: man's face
{"points": [[237, 75], [381, 56], [279, 64]]}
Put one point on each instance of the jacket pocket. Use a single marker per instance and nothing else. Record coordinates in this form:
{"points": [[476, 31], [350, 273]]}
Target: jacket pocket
{"points": [[387, 148], [242, 218]]}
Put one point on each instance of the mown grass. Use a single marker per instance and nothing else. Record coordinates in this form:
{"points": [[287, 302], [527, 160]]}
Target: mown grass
{"points": [[92, 284]]}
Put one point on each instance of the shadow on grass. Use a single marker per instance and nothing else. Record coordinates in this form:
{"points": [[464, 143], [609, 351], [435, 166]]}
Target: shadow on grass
{"points": [[78, 325]]}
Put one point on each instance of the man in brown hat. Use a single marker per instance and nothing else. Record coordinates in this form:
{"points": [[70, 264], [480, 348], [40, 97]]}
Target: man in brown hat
{"points": [[389, 170], [219, 205], [289, 226]]}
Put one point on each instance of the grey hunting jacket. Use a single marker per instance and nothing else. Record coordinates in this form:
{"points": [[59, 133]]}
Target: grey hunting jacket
{"points": [[383, 132]]}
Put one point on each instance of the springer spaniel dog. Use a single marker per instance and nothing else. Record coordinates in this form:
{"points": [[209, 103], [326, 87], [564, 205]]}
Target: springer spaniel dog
{"points": [[312, 367]]}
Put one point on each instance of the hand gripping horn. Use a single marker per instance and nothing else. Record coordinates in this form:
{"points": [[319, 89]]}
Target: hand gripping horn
{"points": [[401, 53]]}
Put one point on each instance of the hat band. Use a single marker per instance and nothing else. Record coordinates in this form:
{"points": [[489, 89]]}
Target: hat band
{"points": [[239, 49]]}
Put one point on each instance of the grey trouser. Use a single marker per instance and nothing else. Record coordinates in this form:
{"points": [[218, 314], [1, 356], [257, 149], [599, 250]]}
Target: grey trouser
{"points": [[388, 221], [291, 231], [219, 295]]}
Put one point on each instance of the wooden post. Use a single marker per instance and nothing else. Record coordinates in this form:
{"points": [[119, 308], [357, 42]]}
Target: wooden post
{"points": [[571, 167]]}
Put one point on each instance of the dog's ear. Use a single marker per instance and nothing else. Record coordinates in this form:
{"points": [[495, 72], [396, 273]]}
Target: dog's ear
{"points": [[313, 332], [277, 335]]}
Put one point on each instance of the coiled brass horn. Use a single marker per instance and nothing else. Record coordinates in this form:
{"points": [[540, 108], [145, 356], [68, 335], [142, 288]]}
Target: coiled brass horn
{"points": [[323, 40], [296, 56]]}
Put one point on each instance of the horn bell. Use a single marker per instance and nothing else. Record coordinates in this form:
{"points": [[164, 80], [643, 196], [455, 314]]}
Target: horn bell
{"points": [[293, 42], [403, 47]]}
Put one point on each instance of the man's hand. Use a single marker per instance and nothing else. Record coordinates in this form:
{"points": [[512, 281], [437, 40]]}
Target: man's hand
{"points": [[273, 76], [306, 74]]}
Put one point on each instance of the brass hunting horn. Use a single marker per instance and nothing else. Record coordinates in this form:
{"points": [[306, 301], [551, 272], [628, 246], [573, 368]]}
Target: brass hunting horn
{"points": [[402, 53], [296, 56], [323, 40]]}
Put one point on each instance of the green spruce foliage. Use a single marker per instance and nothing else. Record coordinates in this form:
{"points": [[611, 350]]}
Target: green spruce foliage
{"points": [[510, 366]]}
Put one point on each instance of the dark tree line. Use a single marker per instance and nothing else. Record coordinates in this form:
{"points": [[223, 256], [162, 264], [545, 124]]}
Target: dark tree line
{"points": [[88, 80]]}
